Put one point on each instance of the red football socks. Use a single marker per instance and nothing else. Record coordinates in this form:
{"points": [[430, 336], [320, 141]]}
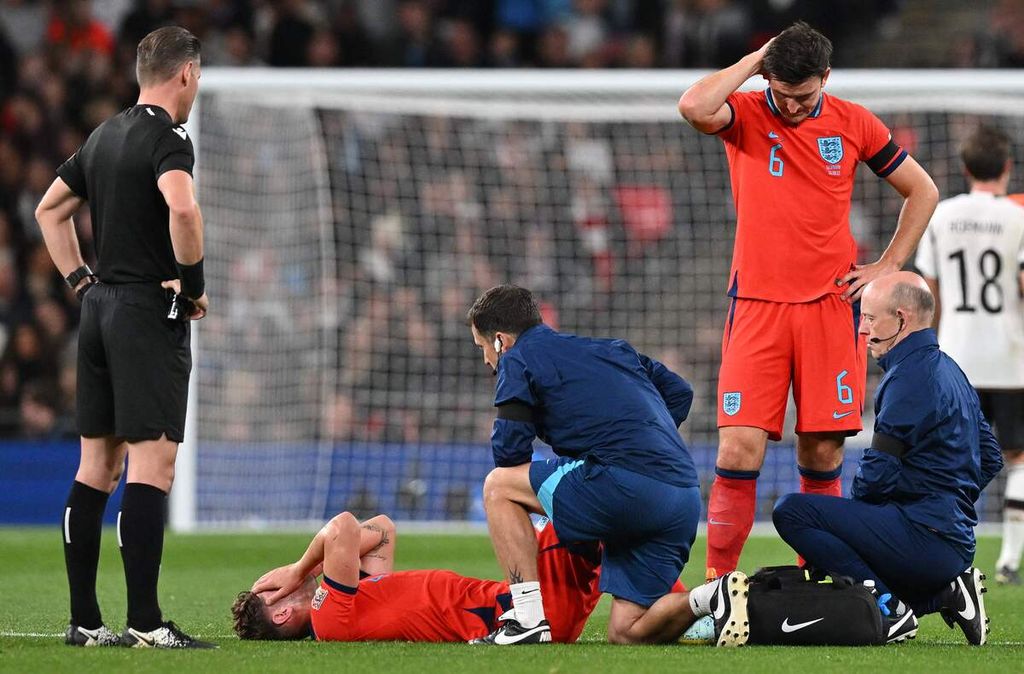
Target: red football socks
{"points": [[730, 518]]}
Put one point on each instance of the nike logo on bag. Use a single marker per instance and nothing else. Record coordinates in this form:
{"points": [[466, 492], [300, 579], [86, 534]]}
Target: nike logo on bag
{"points": [[787, 628], [968, 612], [837, 415], [180, 131]]}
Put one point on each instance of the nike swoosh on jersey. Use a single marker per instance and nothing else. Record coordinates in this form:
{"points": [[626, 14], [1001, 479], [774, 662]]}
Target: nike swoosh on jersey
{"points": [[180, 131], [968, 611], [837, 415], [787, 628]]}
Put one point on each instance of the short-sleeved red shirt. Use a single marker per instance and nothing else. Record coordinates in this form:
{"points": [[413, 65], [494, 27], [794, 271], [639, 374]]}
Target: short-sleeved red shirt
{"points": [[442, 606], [792, 187]]}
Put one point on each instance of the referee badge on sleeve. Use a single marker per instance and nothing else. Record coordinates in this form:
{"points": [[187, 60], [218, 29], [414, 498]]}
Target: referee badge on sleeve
{"points": [[731, 402]]}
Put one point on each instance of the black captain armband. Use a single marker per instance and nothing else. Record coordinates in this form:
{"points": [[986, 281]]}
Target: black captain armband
{"points": [[887, 160], [193, 283], [515, 411]]}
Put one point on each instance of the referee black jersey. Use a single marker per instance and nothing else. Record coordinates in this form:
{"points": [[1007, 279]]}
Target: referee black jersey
{"points": [[116, 170]]}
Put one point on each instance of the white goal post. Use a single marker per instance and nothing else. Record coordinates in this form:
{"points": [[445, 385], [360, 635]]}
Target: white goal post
{"points": [[351, 213]]}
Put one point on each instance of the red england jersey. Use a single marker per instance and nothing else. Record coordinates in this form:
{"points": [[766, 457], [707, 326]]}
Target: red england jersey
{"points": [[792, 187], [442, 606]]}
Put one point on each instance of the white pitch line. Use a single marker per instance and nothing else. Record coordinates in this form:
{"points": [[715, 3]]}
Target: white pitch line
{"points": [[43, 635]]}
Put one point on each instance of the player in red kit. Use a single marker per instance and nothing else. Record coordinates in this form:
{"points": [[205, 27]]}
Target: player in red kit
{"points": [[795, 283], [361, 598]]}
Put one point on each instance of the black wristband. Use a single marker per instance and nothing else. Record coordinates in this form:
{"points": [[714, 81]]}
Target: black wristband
{"points": [[193, 284], [75, 277]]}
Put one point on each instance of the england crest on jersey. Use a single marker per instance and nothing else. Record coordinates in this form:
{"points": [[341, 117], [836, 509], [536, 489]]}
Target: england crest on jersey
{"points": [[831, 148], [731, 402]]}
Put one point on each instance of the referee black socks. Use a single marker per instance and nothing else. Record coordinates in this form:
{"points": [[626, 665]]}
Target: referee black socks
{"points": [[141, 538], [80, 531]]}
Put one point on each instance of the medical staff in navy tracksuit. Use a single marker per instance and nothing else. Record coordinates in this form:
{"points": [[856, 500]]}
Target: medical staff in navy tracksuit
{"points": [[910, 524]]}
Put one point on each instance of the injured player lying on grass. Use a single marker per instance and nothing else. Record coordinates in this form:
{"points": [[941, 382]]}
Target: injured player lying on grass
{"points": [[361, 598]]}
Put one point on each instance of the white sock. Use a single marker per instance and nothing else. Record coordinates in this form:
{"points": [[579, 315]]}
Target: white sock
{"points": [[700, 598], [527, 603], [1013, 521]]}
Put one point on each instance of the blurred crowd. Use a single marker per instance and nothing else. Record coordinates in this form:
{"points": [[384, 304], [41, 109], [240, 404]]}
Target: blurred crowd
{"points": [[66, 65]]}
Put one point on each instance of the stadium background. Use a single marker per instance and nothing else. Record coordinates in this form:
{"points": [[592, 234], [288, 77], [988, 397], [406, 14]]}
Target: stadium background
{"points": [[335, 371]]}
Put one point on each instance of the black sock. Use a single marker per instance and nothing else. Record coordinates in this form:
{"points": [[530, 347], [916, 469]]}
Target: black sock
{"points": [[141, 535], [81, 528]]}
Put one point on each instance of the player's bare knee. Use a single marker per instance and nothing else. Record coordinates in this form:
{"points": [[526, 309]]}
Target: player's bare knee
{"points": [[735, 454], [342, 526], [820, 451], [495, 486], [622, 634], [385, 523]]}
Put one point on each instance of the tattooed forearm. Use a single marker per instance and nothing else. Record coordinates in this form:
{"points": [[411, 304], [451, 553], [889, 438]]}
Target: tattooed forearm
{"points": [[384, 539], [514, 576]]}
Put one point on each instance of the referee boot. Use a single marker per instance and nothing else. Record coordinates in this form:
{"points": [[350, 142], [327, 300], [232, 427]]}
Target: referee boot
{"points": [[729, 610], [101, 636], [513, 633], [167, 635], [1007, 576], [964, 606]]}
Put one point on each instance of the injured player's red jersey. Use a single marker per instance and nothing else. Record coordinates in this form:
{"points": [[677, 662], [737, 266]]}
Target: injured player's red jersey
{"points": [[436, 605]]}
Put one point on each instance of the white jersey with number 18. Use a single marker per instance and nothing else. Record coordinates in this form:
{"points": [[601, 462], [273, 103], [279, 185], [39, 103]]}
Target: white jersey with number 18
{"points": [[974, 246]]}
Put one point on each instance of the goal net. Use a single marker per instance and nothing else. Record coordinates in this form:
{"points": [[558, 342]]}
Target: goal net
{"points": [[352, 217]]}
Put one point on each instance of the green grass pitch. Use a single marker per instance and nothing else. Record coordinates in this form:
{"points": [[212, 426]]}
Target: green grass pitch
{"points": [[202, 573]]}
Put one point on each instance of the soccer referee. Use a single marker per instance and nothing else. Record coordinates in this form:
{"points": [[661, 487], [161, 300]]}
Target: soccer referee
{"points": [[135, 170]]}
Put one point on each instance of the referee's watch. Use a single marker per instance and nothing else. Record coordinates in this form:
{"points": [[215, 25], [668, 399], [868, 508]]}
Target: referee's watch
{"points": [[75, 277]]}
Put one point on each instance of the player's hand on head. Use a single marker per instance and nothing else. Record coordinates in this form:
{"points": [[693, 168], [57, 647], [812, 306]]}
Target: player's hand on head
{"points": [[863, 274], [280, 582], [760, 56]]}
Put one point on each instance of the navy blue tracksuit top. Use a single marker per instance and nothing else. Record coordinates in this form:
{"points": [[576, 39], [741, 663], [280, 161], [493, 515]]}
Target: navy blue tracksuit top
{"points": [[595, 399], [933, 452]]}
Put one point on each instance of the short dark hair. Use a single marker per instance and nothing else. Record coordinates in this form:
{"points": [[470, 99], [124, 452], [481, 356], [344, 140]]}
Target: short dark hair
{"points": [[251, 621], [163, 52], [798, 53], [985, 152], [504, 308]]}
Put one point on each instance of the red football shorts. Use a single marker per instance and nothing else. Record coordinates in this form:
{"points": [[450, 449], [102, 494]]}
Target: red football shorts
{"points": [[814, 346]]}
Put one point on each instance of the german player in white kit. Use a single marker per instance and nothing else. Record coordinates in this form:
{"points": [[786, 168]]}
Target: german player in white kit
{"points": [[972, 257]]}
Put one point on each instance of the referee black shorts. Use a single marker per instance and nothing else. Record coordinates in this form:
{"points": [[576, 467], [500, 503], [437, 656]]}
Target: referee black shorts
{"points": [[133, 364], [1004, 409]]}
